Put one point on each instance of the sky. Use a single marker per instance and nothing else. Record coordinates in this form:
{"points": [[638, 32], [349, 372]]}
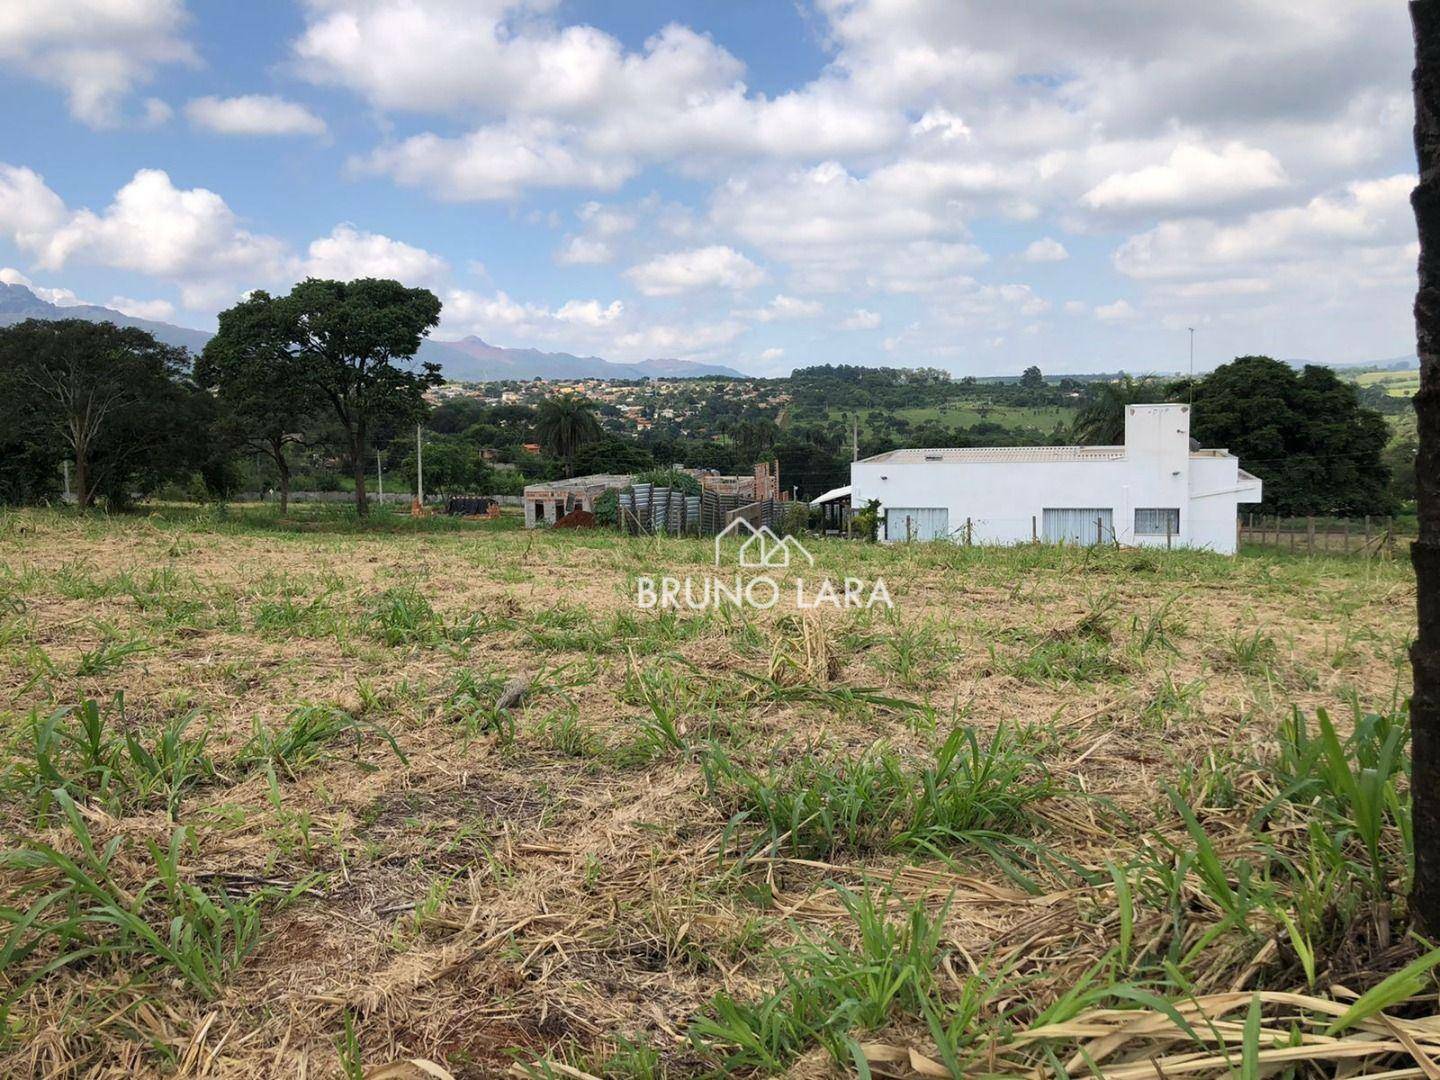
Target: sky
{"points": [[958, 184]]}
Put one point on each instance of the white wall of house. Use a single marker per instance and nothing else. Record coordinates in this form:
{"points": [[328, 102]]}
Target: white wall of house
{"points": [[1002, 495]]}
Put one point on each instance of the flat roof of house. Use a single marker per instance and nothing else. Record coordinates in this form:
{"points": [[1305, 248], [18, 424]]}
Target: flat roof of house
{"points": [[1015, 454], [1003, 453]]}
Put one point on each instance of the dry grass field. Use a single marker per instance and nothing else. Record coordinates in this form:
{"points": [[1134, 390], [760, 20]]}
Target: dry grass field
{"points": [[1060, 812]]}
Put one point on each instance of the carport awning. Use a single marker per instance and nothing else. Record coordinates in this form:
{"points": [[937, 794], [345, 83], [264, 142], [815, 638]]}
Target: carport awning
{"points": [[833, 495]]}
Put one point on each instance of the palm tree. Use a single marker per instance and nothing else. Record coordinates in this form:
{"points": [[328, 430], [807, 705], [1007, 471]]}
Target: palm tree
{"points": [[564, 424], [1102, 421]]}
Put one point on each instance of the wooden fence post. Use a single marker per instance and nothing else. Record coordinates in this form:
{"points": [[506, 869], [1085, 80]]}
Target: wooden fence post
{"points": [[1310, 534]]}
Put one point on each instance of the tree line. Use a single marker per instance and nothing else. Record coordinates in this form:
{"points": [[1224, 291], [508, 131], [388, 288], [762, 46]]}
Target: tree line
{"points": [[327, 360], [1306, 433], [330, 368]]}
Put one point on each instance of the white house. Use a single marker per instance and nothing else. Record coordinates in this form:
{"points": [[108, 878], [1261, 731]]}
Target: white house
{"points": [[1155, 490]]}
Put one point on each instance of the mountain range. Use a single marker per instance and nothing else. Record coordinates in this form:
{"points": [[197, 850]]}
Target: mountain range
{"points": [[469, 359], [17, 303]]}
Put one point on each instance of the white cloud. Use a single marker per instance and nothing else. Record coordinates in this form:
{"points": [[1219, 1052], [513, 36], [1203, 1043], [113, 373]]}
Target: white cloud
{"points": [[467, 312], [714, 267], [602, 220], [59, 297], [1369, 214], [1192, 178], [579, 109], [860, 319], [924, 266], [154, 310], [1045, 250], [664, 340], [1119, 311], [837, 230], [495, 162], [773, 353], [156, 113], [941, 124], [589, 312], [1076, 307], [97, 51], [253, 114], [349, 253], [583, 251], [189, 236], [783, 308], [29, 211]]}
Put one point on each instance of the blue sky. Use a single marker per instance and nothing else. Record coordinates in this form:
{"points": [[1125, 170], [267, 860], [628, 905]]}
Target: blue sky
{"points": [[970, 186]]}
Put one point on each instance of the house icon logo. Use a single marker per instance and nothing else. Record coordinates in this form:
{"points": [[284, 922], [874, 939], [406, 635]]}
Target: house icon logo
{"points": [[761, 548]]}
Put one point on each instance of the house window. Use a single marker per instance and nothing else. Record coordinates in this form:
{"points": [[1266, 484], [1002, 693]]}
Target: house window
{"points": [[1157, 521]]}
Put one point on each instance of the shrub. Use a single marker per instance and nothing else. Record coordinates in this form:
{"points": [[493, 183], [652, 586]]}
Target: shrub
{"points": [[671, 478]]}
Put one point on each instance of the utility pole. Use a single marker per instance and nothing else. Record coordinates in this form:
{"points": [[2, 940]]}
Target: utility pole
{"points": [[65, 464], [419, 467]]}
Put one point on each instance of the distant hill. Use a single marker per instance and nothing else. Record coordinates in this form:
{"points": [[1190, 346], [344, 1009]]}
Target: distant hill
{"points": [[17, 303], [1393, 363], [474, 360], [468, 359]]}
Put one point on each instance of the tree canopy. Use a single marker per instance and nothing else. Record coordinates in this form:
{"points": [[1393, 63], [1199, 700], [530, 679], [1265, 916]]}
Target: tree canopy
{"points": [[348, 344], [1304, 433], [261, 406], [113, 399]]}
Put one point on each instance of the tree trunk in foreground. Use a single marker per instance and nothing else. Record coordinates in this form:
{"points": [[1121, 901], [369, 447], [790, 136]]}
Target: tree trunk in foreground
{"points": [[357, 460], [82, 481], [1425, 552], [282, 466]]}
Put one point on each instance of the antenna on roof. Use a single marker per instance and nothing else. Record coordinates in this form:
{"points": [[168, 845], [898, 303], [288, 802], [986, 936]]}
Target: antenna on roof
{"points": [[1191, 387]]}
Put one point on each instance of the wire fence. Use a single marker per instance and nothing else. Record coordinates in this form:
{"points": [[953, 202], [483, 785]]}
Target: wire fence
{"points": [[1366, 536]]}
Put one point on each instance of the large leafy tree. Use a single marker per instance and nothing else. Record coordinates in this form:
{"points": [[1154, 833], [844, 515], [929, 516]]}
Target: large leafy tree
{"points": [[261, 406], [113, 398], [1305, 433], [31, 444], [612, 455], [452, 466], [348, 344], [564, 424]]}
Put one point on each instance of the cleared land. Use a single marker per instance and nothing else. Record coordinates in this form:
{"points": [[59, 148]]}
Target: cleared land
{"points": [[1396, 383], [1060, 804]]}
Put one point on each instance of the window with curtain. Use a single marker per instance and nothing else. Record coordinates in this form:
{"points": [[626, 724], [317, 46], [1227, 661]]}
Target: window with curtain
{"points": [[1157, 521]]}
